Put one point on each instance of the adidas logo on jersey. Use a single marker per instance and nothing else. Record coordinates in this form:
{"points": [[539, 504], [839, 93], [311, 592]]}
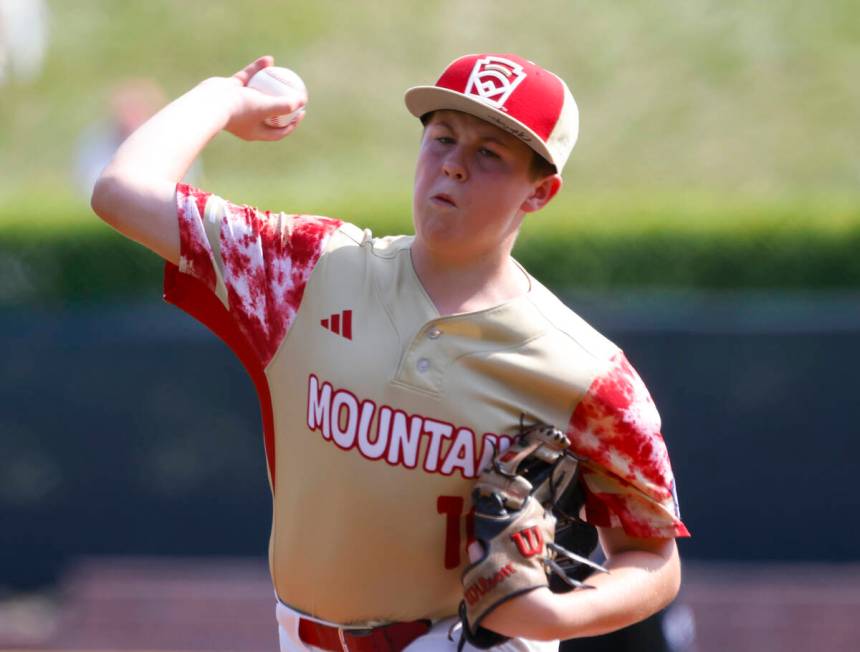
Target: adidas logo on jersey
{"points": [[340, 323]]}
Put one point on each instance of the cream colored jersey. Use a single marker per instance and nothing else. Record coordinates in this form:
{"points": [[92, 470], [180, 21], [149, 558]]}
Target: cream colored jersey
{"points": [[379, 413]]}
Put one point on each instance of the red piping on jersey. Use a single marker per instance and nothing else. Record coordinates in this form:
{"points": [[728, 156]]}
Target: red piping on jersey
{"points": [[192, 296]]}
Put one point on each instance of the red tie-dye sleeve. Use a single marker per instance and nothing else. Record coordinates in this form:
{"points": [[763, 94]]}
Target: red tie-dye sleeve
{"points": [[257, 263], [627, 476]]}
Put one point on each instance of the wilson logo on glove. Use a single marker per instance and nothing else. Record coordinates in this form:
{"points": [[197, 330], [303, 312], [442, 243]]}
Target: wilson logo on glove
{"points": [[529, 541], [486, 584]]}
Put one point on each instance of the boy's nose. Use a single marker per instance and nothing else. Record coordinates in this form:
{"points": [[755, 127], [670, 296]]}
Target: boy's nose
{"points": [[454, 168]]}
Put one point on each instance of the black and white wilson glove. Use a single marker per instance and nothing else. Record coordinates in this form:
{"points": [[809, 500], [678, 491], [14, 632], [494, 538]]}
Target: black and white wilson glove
{"points": [[515, 525]]}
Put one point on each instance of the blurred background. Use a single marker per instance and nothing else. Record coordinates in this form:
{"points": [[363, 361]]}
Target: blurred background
{"points": [[709, 224]]}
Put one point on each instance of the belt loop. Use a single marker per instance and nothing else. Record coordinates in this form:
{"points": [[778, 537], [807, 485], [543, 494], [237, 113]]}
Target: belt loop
{"points": [[342, 638]]}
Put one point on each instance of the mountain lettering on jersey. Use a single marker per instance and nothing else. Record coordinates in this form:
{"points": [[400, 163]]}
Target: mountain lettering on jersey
{"points": [[387, 434]]}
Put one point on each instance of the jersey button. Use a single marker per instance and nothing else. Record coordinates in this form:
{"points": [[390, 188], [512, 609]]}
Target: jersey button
{"points": [[434, 334], [423, 365]]}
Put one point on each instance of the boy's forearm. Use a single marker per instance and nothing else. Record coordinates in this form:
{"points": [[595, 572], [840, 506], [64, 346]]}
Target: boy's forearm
{"points": [[640, 583], [164, 147], [135, 193]]}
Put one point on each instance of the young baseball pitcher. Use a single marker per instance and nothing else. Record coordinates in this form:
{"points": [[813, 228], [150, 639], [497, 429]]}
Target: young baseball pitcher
{"points": [[432, 414]]}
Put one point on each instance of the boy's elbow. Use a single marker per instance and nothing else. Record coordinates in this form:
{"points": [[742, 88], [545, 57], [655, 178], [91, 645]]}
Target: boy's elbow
{"points": [[114, 199], [672, 580], [141, 211], [104, 198]]}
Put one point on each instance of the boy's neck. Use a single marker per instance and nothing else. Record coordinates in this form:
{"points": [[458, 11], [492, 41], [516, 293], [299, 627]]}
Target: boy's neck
{"points": [[467, 286]]}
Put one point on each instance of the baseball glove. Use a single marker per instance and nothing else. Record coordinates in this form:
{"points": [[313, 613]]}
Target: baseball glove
{"points": [[518, 501]]}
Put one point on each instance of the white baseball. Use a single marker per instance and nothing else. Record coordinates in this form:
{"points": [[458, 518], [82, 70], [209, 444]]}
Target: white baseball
{"points": [[279, 81]]}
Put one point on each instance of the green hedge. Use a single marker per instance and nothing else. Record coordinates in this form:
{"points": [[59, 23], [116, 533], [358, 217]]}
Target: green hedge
{"points": [[714, 261], [69, 255]]}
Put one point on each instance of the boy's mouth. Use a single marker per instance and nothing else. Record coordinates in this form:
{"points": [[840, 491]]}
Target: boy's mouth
{"points": [[442, 198]]}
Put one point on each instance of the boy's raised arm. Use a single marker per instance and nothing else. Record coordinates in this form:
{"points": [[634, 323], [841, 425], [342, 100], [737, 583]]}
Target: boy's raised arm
{"points": [[135, 192]]}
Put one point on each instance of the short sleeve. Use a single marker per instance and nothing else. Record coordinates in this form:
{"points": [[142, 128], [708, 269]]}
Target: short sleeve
{"points": [[627, 474], [256, 263]]}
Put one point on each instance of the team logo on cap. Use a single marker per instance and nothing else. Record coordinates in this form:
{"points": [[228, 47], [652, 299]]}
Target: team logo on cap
{"points": [[493, 79]]}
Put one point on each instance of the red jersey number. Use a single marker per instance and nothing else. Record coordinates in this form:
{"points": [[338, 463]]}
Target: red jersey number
{"points": [[455, 522]]}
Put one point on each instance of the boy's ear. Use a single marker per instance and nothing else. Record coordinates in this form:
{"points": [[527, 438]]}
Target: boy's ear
{"points": [[542, 193]]}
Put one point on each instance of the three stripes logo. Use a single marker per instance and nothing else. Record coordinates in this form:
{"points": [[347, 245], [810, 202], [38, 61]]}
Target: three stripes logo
{"points": [[340, 323]]}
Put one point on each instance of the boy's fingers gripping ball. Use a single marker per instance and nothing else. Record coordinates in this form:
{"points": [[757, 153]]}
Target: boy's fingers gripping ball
{"points": [[280, 81]]}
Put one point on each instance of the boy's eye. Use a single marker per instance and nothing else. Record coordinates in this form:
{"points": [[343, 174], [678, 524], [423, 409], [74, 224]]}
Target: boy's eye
{"points": [[488, 153], [445, 140]]}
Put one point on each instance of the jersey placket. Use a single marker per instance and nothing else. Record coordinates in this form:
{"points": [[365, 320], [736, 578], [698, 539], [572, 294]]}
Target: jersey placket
{"points": [[425, 360]]}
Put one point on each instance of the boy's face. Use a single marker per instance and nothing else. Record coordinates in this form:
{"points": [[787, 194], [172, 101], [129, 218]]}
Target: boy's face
{"points": [[472, 186]]}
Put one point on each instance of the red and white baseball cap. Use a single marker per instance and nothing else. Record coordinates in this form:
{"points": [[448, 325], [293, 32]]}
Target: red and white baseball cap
{"points": [[510, 92]]}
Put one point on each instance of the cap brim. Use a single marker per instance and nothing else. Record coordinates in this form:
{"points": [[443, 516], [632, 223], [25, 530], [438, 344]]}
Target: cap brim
{"points": [[423, 99]]}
